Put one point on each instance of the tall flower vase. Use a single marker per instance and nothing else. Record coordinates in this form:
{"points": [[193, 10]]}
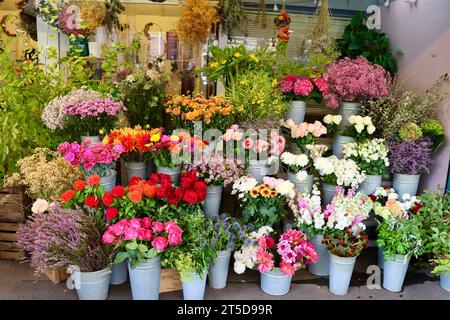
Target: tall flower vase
{"points": [[92, 139], [347, 109], [445, 281], [194, 286], [327, 193], [338, 144], [341, 269], [258, 169], [136, 169], [394, 272], [92, 285], [174, 173], [304, 186], [322, 266], [370, 184], [119, 273], [297, 110], [211, 205], [218, 270], [145, 279], [275, 282], [108, 182], [405, 183]]}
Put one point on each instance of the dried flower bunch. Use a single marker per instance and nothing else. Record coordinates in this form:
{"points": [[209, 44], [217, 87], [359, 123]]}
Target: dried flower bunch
{"points": [[45, 174]]}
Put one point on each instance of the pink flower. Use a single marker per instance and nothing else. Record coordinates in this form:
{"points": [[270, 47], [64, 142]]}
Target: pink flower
{"points": [[135, 223], [174, 238], [303, 87], [321, 85], [146, 222], [108, 237], [130, 233], [172, 227], [287, 268], [265, 261], [160, 243], [261, 146], [247, 143], [157, 226], [312, 253]]}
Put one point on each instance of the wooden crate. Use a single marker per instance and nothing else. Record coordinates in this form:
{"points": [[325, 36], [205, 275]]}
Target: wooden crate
{"points": [[13, 211], [170, 280], [57, 275]]}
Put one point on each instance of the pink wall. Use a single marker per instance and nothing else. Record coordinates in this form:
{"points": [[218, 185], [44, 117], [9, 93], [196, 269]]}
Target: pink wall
{"points": [[422, 32]]}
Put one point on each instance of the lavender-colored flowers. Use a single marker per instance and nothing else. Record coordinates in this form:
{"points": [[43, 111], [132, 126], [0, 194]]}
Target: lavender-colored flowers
{"points": [[410, 157], [94, 108]]}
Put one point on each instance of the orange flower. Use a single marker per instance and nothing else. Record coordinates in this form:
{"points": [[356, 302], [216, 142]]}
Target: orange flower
{"points": [[273, 193], [149, 190], [79, 185], [254, 193], [93, 179], [176, 111], [135, 196], [265, 192], [67, 196]]}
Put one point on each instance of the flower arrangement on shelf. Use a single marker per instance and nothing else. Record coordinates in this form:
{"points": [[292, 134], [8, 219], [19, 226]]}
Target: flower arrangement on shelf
{"points": [[263, 204], [304, 134], [44, 174], [301, 165], [302, 88], [339, 172], [141, 239], [410, 157], [246, 257], [98, 158], [282, 22], [332, 122], [359, 128], [214, 113], [352, 80], [371, 156]]}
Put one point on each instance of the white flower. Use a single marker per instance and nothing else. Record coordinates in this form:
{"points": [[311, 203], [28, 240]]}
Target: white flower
{"points": [[239, 267], [328, 119], [302, 175], [367, 121], [286, 188], [359, 127], [40, 206], [337, 119]]}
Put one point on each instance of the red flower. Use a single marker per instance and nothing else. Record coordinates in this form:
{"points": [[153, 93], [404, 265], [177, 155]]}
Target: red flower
{"points": [[93, 179], [92, 201], [416, 207], [107, 199], [164, 191], [270, 242], [134, 180], [79, 185], [118, 191], [149, 190], [176, 196], [67, 196], [200, 186], [111, 213], [190, 197], [187, 180], [387, 187], [165, 179], [154, 177], [135, 196], [373, 197]]}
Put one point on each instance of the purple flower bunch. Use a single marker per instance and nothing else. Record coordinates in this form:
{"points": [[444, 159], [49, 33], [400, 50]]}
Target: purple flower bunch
{"points": [[410, 157], [353, 79], [98, 158], [94, 108]]}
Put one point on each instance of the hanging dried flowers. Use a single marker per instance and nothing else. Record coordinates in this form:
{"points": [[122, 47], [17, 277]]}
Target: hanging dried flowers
{"points": [[232, 15], [195, 23], [322, 39], [282, 22]]}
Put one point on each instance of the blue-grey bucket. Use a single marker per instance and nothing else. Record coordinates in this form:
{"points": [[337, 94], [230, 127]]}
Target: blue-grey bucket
{"points": [[296, 112], [145, 279], [370, 184], [338, 144], [218, 270], [92, 285], [341, 270], [194, 286], [108, 182], [136, 169], [322, 266], [211, 205], [119, 273], [275, 282], [150, 167], [444, 280], [174, 173], [394, 272], [405, 183], [347, 109], [258, 169], [304, 186], [327, 193], [380, 258]]}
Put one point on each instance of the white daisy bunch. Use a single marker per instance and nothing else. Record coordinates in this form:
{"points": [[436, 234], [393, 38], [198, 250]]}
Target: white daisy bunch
{"points": [[370, 155], [362, 123], [245, 257], [243, 185], [340, 172], [296, 163]]}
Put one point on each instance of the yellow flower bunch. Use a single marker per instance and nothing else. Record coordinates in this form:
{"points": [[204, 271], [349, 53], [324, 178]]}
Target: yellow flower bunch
{"points": [[263, 190]]}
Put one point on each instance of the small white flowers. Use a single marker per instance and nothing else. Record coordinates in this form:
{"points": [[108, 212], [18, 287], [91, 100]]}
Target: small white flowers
{"points": [[244, 185], [290, 159], [361, 123], [371, 155], [345, 171], [302, 175], [332, 119]]}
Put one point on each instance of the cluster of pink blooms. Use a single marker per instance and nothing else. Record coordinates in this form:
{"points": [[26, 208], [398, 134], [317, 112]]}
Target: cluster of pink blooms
{"points": [[302, 86], [94, 108], [87, 155], [160, 235], [353, 79], [293, 248]]}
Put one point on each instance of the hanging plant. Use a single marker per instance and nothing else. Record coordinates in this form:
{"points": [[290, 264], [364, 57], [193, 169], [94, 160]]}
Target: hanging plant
{"points": [[232, 15], [282, 22], [195, 22], [322, 39]]}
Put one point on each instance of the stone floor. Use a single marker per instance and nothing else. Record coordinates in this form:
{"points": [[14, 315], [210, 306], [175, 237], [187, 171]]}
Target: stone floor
{"points": [[18, 282]]}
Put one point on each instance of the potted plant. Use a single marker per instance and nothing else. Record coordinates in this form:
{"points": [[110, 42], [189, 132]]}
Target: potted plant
{"points": [[95, 158], [399, 236], [64, 237], [142, 241], [336, 172], [350, 81], [345, 238], [263, 204], [358, 130], [311, 219], [332, 122], [137, 144], [227, 234], [371, 156], [408, 160], [300, 170], [298, 90], [303, 134], [218, 172]]}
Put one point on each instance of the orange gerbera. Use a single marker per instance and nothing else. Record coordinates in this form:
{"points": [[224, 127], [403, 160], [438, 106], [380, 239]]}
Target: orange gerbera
{"points": [[79, 185], [265, 192], [135, 196], [149, 190], [67, 196], [254, 193]]}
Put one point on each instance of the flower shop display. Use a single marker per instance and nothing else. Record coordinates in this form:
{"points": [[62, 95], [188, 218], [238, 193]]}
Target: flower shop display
{"points": [[227, 234], [311, 219], [335, 172], [408, 160], [142, 241], [345, 237], [63, 237], [299, 168], [298, 90], [358, 129], [217, 172], [352, 80], [371, 156], [400, 238], [96, 158], [245, 256], [303, 134], [263, 204]]}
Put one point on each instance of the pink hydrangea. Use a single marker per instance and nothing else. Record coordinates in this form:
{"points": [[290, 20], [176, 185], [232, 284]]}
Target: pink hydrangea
{"points": [[303, 87]]}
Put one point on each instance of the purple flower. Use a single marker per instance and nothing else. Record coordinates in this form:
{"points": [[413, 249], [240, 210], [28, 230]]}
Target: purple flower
{"points": [[410, 157]]}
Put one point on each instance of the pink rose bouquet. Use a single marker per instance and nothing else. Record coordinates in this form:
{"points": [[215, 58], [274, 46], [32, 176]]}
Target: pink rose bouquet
{"points": [[303, 134], [141, 238], [304, 88]]}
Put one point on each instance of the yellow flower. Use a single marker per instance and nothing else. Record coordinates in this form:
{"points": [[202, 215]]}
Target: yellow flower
{"points": [[274, 83], [254, 193], [101, 131], [214, 65], [237, 54], [224, 61], [265, 192], [155, 137], [253, 57], [147, 126]]}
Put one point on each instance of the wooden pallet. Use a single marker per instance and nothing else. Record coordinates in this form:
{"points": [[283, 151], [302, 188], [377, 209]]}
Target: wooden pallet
{"points": [[170, 281]]}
